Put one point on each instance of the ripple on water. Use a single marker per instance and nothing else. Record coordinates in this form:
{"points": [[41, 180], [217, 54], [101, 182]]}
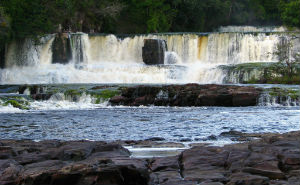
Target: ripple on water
{"points": [[127, 123]]}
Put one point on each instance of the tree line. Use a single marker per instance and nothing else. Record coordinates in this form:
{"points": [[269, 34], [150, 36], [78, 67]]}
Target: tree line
{"points": [[30, 18]]}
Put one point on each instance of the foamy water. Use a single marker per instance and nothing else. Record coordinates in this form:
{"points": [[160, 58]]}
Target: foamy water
{"points": [[190, 58]]}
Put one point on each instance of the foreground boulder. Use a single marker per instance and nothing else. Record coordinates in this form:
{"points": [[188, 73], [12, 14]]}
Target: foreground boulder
{"points": [[273, 160], [74, 162], [154, 51], [188, 95]]}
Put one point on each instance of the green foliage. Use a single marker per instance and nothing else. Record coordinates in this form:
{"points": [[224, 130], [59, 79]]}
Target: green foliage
{"points": [[295, 79], [4, 28], [151, 15], [291, 13], [73, 92], [199, 16], [268, 73], [89, 15], [282, 92], [105, 94], [34, 18], [31, 18], [17, 103], [289, 60]]}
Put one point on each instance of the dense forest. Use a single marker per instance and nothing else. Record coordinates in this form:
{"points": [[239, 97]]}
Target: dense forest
{"points": [[31, 18]]}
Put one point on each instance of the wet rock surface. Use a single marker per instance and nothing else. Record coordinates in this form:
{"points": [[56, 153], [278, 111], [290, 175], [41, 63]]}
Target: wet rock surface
{"points": [[61, 49], [2, 57], [164, 95], [188, 95], [274, 159], [74, 162], [153, 51]]}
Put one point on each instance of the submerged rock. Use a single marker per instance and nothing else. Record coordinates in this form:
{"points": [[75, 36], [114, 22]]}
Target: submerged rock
{"points": [[154, 51]]}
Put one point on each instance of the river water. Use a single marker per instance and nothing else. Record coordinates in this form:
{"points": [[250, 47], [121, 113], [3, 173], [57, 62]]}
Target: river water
{"points": [[189, 124], [107, 59]]}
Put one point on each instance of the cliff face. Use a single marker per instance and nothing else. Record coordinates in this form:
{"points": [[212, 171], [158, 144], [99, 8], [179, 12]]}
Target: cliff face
{"points": [[61, 49], [2, 57]]}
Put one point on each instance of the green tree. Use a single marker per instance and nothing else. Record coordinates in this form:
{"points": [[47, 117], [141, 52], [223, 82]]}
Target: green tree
{"points": [[4, 27], [4, 35], [29, 18], [88, 15], [288, 58], [205, 15], [151, 15], [291, 13]]}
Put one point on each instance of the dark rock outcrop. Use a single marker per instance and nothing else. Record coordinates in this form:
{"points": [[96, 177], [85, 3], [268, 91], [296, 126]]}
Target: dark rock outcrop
{"points": [[273, 160], [37, 92], [61, 49], [2, 57], [188, 95], [165, 95], [75, 162], [154, 51]]}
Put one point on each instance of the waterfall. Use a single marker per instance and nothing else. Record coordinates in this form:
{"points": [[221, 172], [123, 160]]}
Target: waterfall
{"points": [[268, 100], [29, 52], [235, 48], [172, 58], [79, 46], [216, 48], [190, 58], [251, 29]]}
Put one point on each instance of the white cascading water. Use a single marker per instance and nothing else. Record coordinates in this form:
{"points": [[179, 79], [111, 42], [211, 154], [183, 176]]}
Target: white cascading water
{"points": [[251, 29], [109, 59], [29, 52]]}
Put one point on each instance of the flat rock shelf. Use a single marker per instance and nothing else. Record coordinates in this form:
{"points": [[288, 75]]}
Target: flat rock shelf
{"points": [[274, 159]]}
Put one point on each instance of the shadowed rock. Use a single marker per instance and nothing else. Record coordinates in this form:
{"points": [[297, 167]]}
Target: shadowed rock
{"points": [[2, 57], [154, 51], [61, 49], [188, 95]]}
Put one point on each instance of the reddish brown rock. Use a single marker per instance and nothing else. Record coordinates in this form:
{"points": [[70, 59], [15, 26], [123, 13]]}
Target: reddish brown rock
{"points": [[272, 174], [73, 162], [6, 152], [116, 100], [165, 164], [247, 179], [188, 95], [272, 160]]}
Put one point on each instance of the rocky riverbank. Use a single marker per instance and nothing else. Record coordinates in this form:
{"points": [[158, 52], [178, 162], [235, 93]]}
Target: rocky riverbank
{"points": [[260, 73], [274, 159], [188, 95]]}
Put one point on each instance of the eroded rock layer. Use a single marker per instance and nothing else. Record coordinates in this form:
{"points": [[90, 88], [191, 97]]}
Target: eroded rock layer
{"points": [[275, 159], [188, 95]]}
